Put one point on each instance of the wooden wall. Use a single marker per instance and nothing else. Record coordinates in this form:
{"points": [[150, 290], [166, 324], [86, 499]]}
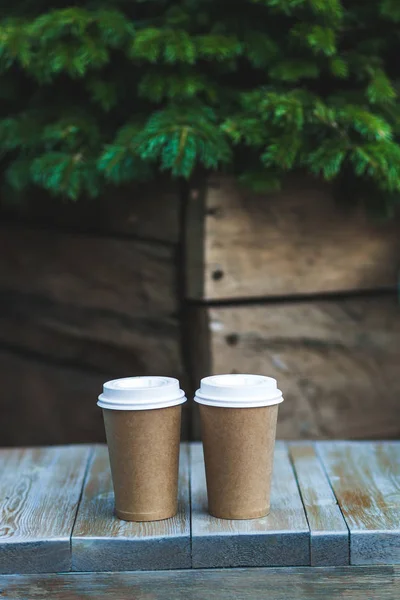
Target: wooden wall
{"points": [[88, 292], [294, 286], [290, 285]]}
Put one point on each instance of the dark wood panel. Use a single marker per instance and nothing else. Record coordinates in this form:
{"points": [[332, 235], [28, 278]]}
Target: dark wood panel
{"points": [[55, 403], [44, 403], [149, 210], [119, 342], [301, 583], [194, 234], [123, 276], [99, 308], [336, 361], [297, 241]]}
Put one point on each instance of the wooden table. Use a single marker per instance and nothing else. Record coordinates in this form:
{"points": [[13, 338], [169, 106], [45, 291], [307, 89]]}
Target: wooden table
{"points": [[333, 530]]}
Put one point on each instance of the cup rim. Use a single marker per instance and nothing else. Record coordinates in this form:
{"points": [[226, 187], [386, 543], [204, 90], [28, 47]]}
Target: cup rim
{"points": [[219, 402], [103, 403]]}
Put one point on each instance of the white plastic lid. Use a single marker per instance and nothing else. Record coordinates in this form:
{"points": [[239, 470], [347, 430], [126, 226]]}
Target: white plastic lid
{"points": [[238, 391], [141, 393]]}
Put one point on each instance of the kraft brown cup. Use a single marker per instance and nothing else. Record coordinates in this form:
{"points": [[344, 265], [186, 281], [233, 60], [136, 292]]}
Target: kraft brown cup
{"points": [[238, 434], [144, 456], [142, 418], [238, 453]]}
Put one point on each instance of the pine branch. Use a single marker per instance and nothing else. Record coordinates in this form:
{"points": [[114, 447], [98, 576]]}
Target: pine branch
{"points": [[266, 87], [65, 174], [179, 137]]}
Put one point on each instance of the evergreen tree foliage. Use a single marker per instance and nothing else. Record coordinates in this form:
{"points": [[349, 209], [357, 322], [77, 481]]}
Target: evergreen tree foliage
{"points": [[94, 92]]}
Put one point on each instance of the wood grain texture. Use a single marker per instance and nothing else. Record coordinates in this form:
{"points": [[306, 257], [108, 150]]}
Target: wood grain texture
{"points": [[328, 530], [366, 480], [101, 542], [332, 359], [124, 210], [117, 275], [297, 241], [301, 583], [280, 539], [39, 494], [105, 307]]}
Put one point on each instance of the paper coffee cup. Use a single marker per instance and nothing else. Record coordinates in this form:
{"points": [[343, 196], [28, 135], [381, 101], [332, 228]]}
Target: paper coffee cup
{"points": [[238, 421], [142, 417]]}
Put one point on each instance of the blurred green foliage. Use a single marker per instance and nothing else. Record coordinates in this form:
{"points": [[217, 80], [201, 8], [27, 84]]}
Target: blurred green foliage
{"points": [[116, 90]]}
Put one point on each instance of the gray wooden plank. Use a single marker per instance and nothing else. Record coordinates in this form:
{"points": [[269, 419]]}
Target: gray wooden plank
{"points": [[365, 477], [328, 530], [280, 539], [101, 542], [299, 583], [39, 494]]}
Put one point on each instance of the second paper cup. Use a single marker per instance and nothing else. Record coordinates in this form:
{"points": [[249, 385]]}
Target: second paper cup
{"points": [[238, 423]]}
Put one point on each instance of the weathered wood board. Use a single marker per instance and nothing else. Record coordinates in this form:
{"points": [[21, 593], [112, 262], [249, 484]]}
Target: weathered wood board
{"points": [[39, 493], [333, 360], [120, 211], [297, 241], [104, 307], [328, 530], [366, 480], [101, 542], [56, 513], [280, 539], [108, 274], [48, 403], [301, 583]]}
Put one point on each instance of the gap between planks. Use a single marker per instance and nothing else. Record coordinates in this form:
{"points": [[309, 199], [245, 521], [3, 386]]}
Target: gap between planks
{"points": [[365, 477], [280, 539], [329, 534]]}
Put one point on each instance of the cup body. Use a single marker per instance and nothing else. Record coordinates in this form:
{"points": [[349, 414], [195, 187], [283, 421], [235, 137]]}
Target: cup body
{"points": [[238, 453], [144, 457], [238, 415], [142, 418]]}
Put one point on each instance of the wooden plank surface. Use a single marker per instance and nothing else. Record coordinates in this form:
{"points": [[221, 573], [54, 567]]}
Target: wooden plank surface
{"points": [[104, 307], [39, 494], [301, 583], [280, 539], [366, 480], [328, 530], [297, 241], [101, 542], [333, 359]]}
